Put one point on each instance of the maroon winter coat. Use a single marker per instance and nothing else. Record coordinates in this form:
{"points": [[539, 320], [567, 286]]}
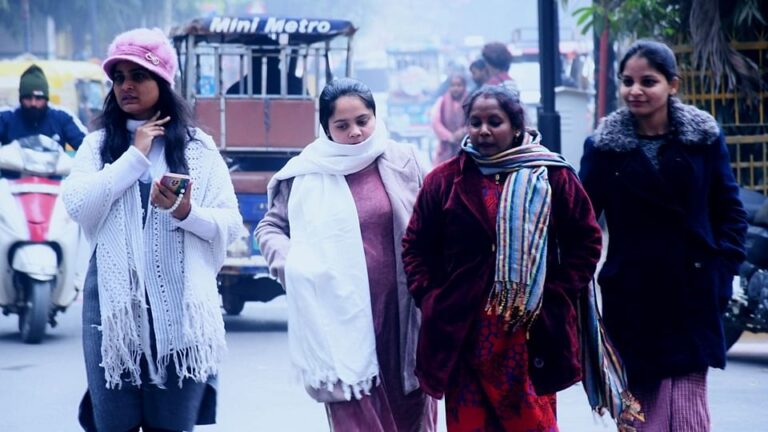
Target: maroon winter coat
{"points": [[449, 257]]}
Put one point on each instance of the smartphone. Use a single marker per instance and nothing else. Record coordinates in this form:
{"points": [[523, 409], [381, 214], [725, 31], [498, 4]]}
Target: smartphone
{"points": [[175, 182]]}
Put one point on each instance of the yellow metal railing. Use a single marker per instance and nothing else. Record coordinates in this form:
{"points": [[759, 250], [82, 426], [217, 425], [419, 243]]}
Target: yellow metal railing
{"points": [[743, 121]]}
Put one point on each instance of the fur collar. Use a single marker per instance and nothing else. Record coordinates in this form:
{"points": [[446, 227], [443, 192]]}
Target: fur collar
{"points": [[689, 125]]}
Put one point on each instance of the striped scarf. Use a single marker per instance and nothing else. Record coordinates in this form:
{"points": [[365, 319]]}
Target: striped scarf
{"points": [[521, 227], [604, 378]]}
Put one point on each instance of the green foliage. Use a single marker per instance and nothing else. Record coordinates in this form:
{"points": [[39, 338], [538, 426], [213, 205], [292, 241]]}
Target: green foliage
{"points": [[632, 19], [663, 19], [708, 25]]}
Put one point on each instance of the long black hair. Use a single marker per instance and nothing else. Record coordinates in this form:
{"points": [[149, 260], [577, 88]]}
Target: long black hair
{"points": [[338, 88], [178, 131]]}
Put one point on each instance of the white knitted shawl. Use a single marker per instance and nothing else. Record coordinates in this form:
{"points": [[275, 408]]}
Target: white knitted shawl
{"points": [[113, 223]]}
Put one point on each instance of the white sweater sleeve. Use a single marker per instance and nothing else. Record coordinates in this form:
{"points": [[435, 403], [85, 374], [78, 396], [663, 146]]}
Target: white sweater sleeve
{"points": [[129, 168], [215, 201], [198, 223], [90, 189]]}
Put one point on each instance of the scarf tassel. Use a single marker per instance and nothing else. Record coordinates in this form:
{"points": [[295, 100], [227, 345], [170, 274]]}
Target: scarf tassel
{"points": [[604, 378], [509, 300], [121, 333], [197, 361], [120, 350]]}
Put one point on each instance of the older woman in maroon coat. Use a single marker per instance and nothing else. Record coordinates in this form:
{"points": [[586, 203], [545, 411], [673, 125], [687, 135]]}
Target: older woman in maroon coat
{"points": [[501, 243]]}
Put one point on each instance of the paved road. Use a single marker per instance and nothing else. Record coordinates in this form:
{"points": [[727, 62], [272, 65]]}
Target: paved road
{"points": [[41, 385]]}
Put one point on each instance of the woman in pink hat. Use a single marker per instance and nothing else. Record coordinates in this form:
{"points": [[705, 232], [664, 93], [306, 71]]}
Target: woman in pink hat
{"points": [[153, 335]]}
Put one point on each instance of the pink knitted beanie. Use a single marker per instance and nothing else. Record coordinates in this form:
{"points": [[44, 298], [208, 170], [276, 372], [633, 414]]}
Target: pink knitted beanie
{"points": [[145, 47]]}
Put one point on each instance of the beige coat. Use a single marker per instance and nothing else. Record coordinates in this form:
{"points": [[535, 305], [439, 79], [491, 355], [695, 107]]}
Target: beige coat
{"points": [[402, 174]]}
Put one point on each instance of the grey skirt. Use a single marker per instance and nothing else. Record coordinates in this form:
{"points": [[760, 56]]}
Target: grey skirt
{"points": [[119, 410]]}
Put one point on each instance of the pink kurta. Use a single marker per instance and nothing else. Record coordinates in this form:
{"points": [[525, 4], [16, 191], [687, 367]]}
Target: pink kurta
{"points": [[386, 408]]}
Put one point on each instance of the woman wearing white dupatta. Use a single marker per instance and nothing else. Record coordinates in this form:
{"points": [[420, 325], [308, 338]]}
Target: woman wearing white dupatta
{"points": [[332, 235]]}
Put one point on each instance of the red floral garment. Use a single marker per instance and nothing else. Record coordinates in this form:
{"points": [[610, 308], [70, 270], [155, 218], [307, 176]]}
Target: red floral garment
{"points": [[492, 390]]}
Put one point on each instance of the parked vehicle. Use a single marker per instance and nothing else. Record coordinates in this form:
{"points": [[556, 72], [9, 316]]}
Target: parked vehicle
{"points": [[748, 307], [38, 239], [254, 83]]}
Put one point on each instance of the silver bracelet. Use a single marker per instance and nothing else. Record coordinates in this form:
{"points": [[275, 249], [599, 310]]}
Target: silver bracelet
{"points": [[175, 205]]}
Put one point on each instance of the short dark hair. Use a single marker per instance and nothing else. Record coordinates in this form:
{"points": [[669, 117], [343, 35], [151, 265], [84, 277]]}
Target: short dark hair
{"points": [[497, 55], [478, 64], [659, 56], [508, 100], [342, 87]]}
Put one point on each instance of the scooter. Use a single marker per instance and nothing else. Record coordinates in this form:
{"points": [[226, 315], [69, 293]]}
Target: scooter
{"points": [[748, 307], [38, 239]]}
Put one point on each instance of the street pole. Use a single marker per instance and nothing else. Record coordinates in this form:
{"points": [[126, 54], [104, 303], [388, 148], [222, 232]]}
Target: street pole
{"points": [[549, 60], [605, 70]]}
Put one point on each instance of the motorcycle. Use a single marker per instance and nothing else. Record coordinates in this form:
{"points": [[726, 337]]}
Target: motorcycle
{"points": [[748, 306], [38, 239]]}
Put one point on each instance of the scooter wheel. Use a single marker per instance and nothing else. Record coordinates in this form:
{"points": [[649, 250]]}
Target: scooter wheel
{"points": [[34, 318], [233, 304]]}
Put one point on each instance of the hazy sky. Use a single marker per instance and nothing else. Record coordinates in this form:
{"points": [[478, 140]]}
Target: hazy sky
{"points": [[386, 22]]}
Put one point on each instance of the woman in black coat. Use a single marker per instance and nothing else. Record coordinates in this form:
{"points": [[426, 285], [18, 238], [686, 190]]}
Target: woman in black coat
{"points": [[659, 171]]}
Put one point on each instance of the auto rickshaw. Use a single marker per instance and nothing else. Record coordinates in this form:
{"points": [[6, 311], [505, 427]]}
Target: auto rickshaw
{"points": [[254, 83]]}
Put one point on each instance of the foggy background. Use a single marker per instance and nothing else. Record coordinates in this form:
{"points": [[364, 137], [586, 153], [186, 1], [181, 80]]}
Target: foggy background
{"points": [[82, 29]]}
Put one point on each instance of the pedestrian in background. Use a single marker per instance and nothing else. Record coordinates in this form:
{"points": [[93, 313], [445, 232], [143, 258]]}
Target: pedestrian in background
{"points": [[153, 333], [502, 242], [498, 59], [448, 119], [659, 171], [332, 236], [479, 71]]}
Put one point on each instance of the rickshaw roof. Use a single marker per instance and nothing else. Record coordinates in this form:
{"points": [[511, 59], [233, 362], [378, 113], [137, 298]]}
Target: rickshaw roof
{"points": [[255, 29], [53, 69], [57, 72]]}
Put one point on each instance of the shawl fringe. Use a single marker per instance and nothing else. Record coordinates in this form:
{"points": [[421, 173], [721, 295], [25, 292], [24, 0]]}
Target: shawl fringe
{"points": [[328, 380], [121, 349]]}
